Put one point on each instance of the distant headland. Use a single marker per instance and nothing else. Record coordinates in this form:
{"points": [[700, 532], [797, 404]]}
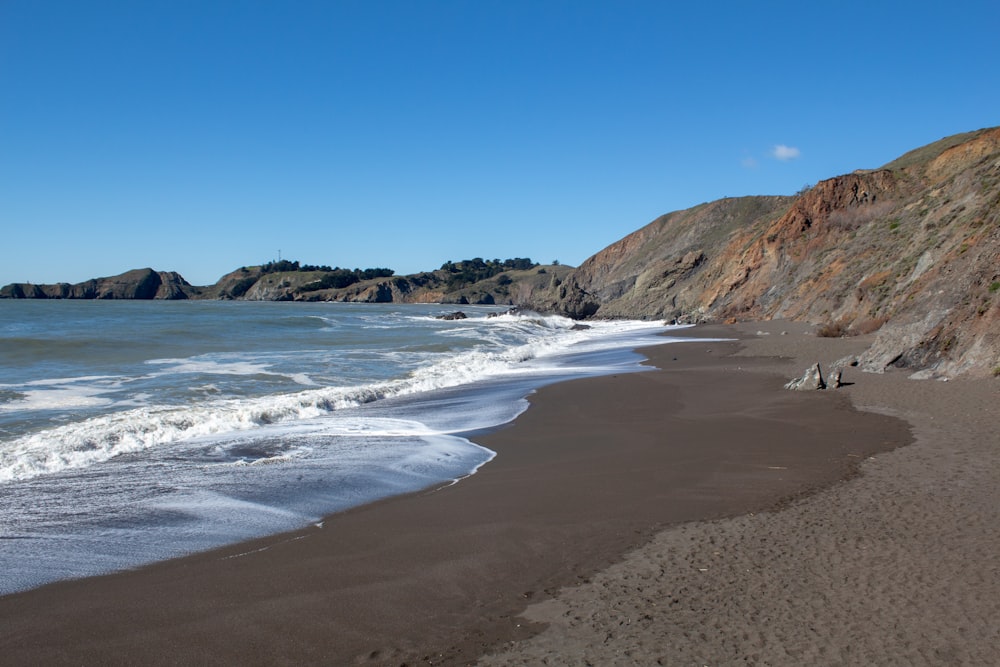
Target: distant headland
{"points": [[470, 281]]}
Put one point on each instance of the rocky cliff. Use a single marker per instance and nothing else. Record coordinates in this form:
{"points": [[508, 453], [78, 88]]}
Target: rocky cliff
{"points": [[910, 250], [135, 284]]}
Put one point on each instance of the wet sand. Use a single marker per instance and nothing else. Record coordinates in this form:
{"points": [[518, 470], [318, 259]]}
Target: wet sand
{"points": [[593, 471]]}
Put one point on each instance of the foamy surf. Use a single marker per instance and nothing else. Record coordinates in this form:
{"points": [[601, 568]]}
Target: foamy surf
{"points": [[98, 439]]}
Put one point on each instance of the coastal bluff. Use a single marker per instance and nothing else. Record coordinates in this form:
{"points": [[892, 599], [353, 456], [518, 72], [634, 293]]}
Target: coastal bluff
{"points": [[909, 252]]}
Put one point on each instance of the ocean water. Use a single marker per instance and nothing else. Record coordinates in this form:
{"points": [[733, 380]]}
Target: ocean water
{"points": [[132, 432]]}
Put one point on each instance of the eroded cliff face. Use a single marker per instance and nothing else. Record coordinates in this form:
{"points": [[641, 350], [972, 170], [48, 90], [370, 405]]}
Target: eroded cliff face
{"points": [[911, 250], [661, 270], [135, 284]]}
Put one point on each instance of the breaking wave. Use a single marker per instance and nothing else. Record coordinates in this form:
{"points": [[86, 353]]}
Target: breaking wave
{"points": [[100, 438]]}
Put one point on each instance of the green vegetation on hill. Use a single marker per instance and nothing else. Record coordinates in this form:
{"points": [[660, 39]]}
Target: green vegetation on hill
{"points": [[339, 278], [473, 281], [333, 278], [284, 266], [476, 269]]}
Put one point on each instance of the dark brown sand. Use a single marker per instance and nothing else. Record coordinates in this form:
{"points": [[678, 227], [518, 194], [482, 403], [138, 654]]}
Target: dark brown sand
{"points": [[896, 566], [593, 471]]}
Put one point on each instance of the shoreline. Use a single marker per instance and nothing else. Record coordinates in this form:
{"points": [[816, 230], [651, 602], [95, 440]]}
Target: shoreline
{"points": [[595, 469]]}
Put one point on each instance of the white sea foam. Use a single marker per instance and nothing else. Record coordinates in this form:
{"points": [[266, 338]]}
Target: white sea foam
{"points": [[202, 366], [48, 382], [58, 393], [98, 439], [303, 379], [62, 397], [262, 458], [209, 367]]}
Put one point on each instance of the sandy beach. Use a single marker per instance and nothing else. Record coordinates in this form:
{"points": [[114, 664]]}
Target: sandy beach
{"points": [[895, 566], [698, 514]]}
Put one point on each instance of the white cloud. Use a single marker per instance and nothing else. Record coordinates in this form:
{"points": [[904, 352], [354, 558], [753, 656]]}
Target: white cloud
{"points": [[749, 163], [785, 153]]}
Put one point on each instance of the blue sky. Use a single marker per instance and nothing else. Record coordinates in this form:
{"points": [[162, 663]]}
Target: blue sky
{"points": [[200, 136]]}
